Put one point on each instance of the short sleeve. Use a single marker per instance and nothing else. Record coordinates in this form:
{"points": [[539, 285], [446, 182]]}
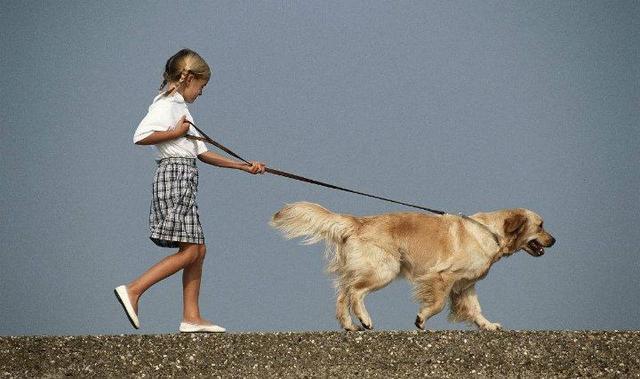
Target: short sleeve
{"points": [[158, 119], [201, 147]]}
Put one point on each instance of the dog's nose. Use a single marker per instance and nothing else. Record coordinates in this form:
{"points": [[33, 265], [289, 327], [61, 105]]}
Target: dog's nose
{"points": [[553, 240]]}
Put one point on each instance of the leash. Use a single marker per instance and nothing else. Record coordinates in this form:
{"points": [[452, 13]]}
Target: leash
{"points": [[289, 175], [206, 138]]}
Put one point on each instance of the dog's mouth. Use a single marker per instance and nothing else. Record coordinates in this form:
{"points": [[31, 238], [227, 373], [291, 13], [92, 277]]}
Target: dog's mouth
{"points": [[534, 248]]}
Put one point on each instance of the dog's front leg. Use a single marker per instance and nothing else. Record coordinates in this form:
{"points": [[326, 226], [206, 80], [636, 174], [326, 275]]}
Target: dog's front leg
{"points": [[431, 292], [466, 307]]}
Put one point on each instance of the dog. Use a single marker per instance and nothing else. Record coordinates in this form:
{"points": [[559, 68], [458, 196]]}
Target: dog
{"points": [[442, 255]]}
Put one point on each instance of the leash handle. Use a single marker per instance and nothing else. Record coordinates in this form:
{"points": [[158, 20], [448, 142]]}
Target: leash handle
{"points": [[285, 174]]}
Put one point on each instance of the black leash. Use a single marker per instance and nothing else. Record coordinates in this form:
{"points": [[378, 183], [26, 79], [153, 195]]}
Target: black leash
{"points": [[208, 139]]}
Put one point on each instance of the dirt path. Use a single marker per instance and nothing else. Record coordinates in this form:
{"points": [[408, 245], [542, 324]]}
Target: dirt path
{"points": [[327, 354]]}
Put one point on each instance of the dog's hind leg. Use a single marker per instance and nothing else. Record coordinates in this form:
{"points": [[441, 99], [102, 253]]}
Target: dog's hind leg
{"points": [[431, 291], [342, 307], [357, 305], [465, 307], [372, 281]]}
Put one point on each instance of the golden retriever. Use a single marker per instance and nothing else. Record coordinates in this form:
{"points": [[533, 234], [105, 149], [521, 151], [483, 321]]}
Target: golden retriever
{"points": [[442, 255]]}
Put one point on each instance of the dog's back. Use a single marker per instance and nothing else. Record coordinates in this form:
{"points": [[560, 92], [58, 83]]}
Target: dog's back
{"points": [[393, 233]]}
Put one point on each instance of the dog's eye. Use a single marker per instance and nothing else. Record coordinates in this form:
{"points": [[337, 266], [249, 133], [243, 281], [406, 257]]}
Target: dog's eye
{"points": [[541, 224]]}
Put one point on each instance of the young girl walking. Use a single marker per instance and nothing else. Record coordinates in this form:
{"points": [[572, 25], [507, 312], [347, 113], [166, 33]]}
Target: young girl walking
{"points": [[173, 217]]}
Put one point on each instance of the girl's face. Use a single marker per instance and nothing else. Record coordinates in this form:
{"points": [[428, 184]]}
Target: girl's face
{"points": [[193, 89]]}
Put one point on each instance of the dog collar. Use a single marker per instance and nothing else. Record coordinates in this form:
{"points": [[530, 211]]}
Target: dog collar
{"points": [[496, 239]]}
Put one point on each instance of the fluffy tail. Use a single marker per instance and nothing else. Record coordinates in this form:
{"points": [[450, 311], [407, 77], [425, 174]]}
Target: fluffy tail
{"points": [[316, 224], [312, 221]]}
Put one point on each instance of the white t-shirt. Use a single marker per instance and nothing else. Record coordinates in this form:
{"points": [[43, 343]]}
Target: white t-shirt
{"points": [[164, 113]]}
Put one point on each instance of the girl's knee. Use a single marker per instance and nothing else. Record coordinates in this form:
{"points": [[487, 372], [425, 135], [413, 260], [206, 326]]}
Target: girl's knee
{"points": [[191, 252], [202, 251]]}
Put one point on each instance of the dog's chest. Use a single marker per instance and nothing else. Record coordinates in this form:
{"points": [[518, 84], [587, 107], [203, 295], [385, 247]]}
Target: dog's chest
{"points": [[477, 268]]}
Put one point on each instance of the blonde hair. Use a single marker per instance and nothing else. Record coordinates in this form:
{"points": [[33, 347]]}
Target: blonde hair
{"points": [[180, 65]]}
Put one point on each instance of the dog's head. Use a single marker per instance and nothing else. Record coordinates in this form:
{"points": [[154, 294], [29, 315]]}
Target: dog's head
{"points": [[524, 230]]}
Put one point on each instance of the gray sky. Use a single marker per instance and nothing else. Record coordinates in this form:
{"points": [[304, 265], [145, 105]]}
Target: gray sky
{"points": [[461, 106]]}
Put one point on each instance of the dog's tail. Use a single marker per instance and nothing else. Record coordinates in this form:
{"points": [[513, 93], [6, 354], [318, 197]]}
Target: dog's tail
{"points": [[316, 223], [312, 221]]}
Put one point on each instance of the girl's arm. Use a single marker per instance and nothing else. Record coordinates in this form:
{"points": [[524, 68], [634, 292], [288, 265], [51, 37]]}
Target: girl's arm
{"points": [[220, 161], [158, 137]]}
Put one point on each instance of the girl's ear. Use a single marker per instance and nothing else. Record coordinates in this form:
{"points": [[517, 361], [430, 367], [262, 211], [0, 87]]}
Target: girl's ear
{"points": [[188, 78]]}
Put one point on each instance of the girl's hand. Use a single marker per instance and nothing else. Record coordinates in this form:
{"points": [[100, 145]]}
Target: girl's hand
{"points": [[182, 127], [255, 168]]}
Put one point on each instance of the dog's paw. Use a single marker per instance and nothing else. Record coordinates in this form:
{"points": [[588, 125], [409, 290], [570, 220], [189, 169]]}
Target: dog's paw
{"points": [[354, 328], [366, 325], [492, 326], [419, 323]]}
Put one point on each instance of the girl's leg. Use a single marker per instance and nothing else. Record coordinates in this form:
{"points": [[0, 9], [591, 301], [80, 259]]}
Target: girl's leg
{"points": [[191, 277], [187, 255]]}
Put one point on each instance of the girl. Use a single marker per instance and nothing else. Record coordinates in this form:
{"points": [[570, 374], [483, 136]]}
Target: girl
{"points": [[173, 217]]}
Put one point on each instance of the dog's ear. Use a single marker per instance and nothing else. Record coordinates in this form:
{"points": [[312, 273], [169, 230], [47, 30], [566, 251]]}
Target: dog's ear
{"points": [[513, 224]]}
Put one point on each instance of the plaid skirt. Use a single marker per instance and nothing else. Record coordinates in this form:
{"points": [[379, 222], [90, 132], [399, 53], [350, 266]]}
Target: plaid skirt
{"points": [[173, 216]]}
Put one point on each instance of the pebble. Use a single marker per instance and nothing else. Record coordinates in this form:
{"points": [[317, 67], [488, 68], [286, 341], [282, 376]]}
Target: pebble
{"points": [[374, 354]]}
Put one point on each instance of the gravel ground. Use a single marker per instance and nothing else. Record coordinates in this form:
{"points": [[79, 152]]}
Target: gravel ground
{"points": [[327, 354]]}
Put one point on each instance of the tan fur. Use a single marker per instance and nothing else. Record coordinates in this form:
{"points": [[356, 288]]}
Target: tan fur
{"points": [[443, 256]]}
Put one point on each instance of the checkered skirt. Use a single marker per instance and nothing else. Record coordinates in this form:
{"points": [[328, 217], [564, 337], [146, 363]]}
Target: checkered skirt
{"points": [[173, 216]]}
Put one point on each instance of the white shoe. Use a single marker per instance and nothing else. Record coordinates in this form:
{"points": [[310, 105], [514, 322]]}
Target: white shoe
{"points": [[123, 298], [186, 327]]}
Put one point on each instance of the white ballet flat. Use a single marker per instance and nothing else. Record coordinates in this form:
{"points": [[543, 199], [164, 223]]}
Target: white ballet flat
{"points": [[123, 298], [186, 327]]}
